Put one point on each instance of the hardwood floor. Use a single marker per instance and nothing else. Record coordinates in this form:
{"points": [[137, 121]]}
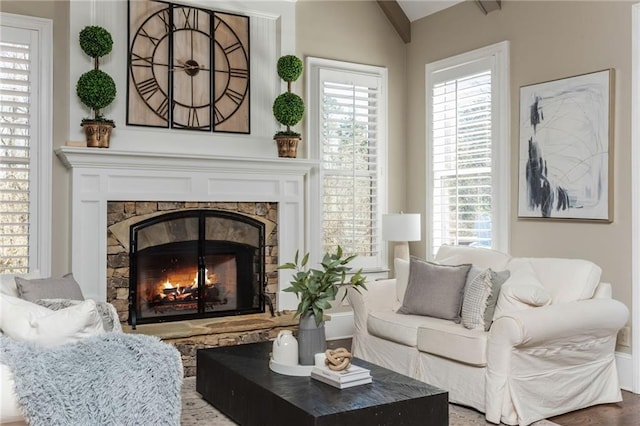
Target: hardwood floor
{"points": [[625, 413]]}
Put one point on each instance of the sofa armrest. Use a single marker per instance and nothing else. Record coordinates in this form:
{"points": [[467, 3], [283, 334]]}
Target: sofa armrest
{"points": [[379, 296], [561, 324]]}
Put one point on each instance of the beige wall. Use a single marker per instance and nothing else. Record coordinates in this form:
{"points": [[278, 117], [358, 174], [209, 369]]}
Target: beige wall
{"points": [[58, 12], [358, 31], [548, 40]]}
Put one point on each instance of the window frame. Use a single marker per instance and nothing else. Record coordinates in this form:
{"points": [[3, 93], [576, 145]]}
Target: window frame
{"points": [[313, 83], [40, 174], [495, 58]]}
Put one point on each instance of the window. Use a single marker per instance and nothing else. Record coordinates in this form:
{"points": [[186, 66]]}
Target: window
{"points": [[25, 144], [467, 150], [348, 136]]}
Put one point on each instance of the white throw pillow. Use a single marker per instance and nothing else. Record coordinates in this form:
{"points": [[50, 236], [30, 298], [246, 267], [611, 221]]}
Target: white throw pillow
{"points": [[26, 321], [8, 283]]}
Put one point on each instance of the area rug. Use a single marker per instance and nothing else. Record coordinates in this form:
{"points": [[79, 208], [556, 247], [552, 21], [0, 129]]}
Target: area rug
{"points": [[196, 411]]}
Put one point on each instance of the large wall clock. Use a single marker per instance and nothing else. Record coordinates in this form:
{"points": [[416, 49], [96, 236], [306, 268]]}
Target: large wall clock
{"points": [[188, 68]]}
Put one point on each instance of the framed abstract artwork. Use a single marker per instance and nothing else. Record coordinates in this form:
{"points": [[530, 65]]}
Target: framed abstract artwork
{"points": [[566, 148]]}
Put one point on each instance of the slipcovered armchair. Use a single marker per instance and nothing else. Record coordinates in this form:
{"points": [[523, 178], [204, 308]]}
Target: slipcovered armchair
{"points": [[65, 360], [547, 348]]}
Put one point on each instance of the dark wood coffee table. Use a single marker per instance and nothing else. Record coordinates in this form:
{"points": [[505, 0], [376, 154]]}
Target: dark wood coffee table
{"points": [[238, 382]]}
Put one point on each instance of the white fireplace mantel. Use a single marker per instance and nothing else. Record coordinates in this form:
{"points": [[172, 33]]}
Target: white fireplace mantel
{"points": [[102, 175]]}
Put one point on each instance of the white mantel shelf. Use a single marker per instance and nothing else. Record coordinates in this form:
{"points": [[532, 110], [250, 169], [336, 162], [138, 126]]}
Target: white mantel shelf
{"points": [[100, 158], [102, 175]]}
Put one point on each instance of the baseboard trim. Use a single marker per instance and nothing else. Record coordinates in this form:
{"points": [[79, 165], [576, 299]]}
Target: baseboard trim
{"points": [[624, 363]]}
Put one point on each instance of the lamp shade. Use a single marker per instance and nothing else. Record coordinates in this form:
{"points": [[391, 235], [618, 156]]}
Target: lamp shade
{"points": [[401, 227]]}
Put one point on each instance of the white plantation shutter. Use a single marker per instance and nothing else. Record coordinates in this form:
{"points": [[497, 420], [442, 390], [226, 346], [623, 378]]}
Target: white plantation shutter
{"points": [[15, 101], [462, 175], [25, 144], [351, 132], [467, 150]]}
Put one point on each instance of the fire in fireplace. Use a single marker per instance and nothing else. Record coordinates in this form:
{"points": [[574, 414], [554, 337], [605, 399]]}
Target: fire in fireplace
{"points": [[195, 264]]}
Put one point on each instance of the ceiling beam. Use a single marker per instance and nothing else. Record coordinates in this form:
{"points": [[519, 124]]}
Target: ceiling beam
{"points": [[398, 19], [489, 5]]}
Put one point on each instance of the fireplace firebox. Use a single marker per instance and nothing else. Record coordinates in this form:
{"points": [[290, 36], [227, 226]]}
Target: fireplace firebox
{"points": [[195, 264]]}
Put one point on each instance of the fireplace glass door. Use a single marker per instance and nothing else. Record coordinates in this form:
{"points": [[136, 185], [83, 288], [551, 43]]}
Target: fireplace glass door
{"points": [[195, 264]]}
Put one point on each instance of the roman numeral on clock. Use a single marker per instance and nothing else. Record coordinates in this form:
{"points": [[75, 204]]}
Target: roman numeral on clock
{"points": [[147, 88]]}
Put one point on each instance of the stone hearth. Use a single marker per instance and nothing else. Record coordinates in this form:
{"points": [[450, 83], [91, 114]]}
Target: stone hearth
{"points": [[189, 336]]}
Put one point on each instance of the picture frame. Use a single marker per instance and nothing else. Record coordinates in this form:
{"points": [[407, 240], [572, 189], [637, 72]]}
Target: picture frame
{"points": [[566, 148]]}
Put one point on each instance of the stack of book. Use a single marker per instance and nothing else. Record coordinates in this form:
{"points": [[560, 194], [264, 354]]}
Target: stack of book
{"points": [[352, 376]]}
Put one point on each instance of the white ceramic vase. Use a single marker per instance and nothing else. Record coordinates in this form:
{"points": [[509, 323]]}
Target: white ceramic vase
{"points": [[285, 348]]}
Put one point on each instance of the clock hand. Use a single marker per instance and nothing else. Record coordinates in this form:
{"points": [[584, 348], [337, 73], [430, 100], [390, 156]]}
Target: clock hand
{"points": [[189, 68]]}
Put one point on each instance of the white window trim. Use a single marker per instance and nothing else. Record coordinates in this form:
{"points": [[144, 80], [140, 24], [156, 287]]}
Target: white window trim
{"points": [[498, 55], [312, 74], [40, 210], [634, 383]]}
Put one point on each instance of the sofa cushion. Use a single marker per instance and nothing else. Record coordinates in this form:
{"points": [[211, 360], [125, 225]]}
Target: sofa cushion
{"points": [[478, 256], [49, 288], [567, 280], [26, 321], [434, 290], [395, 327], [453, 341]]}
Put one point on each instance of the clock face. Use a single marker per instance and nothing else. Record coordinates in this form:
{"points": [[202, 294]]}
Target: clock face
{"points": [[188, 68]]}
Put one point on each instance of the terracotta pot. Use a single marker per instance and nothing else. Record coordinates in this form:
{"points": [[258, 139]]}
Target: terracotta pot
{"points": [[98, 134], [287, 146]]}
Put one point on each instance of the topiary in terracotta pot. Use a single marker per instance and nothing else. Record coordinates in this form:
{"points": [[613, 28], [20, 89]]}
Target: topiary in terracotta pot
{"points": [[288, 108], [95, 88]]}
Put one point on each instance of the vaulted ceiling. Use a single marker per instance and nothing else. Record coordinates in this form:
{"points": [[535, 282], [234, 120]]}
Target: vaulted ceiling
{"points": [[401, 13], [416, 9]]}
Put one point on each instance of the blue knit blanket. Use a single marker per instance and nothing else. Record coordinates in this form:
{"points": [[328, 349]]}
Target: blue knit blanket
{"points": [[110, 379]]}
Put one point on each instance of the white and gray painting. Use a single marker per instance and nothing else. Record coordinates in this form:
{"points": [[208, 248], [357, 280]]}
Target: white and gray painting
{"points": [[564, 148]]}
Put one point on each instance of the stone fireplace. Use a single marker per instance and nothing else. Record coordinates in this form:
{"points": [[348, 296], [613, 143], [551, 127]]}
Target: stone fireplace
{"points": [[169, 261]]}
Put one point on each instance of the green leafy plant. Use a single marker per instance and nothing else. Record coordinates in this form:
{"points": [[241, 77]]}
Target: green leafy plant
{"points": [[316, 288], [95, 88], [288, 108]]}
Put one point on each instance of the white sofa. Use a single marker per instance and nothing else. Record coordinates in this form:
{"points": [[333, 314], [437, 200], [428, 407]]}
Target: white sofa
{"points": [[534, 362]]}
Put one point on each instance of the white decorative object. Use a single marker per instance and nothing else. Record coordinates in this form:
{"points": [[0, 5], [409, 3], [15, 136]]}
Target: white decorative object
{"points": [[319, 359], [290, 370], [401, 228], [285, 348]]}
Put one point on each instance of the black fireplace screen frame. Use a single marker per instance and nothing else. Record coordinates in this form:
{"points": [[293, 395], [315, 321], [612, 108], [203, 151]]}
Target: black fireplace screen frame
{"points": [[204, 247]]}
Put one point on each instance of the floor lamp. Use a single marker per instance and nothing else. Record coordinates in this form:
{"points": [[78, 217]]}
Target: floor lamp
{"points": [[401, 228]]}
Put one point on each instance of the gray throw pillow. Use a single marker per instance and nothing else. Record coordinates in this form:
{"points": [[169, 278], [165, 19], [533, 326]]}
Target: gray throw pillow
{"points": [[434, 290], [49, 288], [497, 279]]}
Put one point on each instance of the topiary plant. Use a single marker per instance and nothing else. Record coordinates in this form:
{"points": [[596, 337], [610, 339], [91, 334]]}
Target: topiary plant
{"points": [[288, 108], [95, 88]]}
